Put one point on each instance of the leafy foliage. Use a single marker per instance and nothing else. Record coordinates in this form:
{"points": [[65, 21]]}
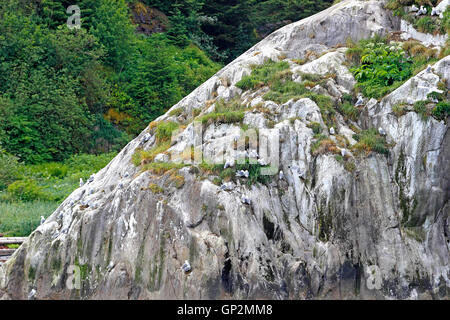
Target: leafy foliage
{"points": [[370, 141], [442, 110], [9, 169], [57, 85], [382, 67]]}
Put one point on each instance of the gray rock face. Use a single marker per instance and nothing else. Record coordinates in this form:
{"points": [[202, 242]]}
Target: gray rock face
{"points": [[379, 231]]}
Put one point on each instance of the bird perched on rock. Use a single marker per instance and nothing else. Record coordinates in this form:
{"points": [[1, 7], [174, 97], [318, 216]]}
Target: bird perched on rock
{"points": [[228, 164], [281, 175], [435, 12], [186, 267], [42, 220], [253, 154], [146, 138], [126, 175], [121, 185], [246, 200], [414, 8], [227, 186], [429, 69], [61, 215], [434, 100], [65, 230], [91, 178], [296, 170], [81, 182], [262, 162], [332, 131], [110, 266], [242, 174], [32, 294], [360, 101], [422, 11], [381, 131], [343, 152]]}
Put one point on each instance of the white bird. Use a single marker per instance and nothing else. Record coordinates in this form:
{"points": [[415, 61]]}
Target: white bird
{"points": [[91, 191], [61, 215], [343, 152], [360, 102], [441, 15], [110, 266], [42, 220], [253, 154], [381, 131], [71, 203], [186, 266], [434, 100], [121, 185], [146, 137], [281, 175], [227, 186], [262, 162], [228, 164], [297, 171], [429, 70], [242, 174], [91, 178], [126, 175], [422, 11], [65, 230], [434, 12], [81, 182], [332, 131], [32, 294], [246, 200], [414, 8]]}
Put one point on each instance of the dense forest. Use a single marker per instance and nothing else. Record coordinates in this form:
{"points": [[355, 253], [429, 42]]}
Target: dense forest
{"points": [[64, 92], [70, 98]]}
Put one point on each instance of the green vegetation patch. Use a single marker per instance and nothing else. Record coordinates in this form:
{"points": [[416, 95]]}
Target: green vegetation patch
{"points": [[19, 219], [370, 141], [381, 66], [265, 75]]}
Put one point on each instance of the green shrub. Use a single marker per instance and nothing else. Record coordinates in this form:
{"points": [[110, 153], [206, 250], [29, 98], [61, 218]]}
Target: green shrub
{"points": [[230, 117], [26, 190], [9, 169], [265, 74], [350, 111], [445, 23], [164, 131], [425, 25], [421, 108], [399, 109], [316, 127], [442, 110], [370, 141], [382, 67]]}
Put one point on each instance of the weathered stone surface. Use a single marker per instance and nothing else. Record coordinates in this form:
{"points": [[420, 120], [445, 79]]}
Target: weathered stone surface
{"points": [[320, 232]]}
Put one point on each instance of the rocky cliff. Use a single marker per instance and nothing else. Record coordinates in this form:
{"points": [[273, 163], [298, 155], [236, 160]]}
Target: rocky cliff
{"points": [[329, 223]]}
